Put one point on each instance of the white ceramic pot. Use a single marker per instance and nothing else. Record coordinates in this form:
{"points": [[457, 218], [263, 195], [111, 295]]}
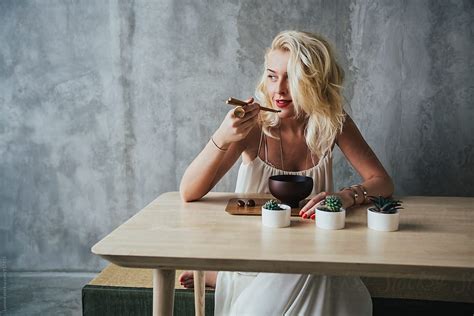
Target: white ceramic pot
{"points": [[382, 222], [276, 218], [330, 220]]}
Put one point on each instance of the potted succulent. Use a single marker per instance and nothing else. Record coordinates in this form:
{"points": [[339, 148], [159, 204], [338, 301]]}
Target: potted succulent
{"points": [[384, 215], [275, 214], [330, 214]]}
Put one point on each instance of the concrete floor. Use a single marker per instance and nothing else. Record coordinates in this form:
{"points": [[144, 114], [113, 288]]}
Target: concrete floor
{"points": [[43, 293]]}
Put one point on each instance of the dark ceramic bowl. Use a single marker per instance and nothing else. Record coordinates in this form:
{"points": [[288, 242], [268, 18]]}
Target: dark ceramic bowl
{"points": [[290, 189]]}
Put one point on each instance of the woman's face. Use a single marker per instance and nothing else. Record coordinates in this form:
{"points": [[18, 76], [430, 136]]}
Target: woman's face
{"points": [[277, 82]]}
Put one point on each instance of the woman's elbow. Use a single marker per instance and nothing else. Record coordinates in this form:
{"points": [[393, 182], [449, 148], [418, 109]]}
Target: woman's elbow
{"points": [[185, 194], [188, 195]]}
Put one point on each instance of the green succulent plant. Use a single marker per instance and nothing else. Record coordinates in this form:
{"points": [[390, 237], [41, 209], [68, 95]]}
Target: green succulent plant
{"points": [[385, 205], [331, 203], [272, 205]]}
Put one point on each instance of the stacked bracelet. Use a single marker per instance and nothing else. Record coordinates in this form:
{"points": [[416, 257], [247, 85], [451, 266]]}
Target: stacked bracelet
{"points": [[220, 148], [364, 192], [355, 194]]}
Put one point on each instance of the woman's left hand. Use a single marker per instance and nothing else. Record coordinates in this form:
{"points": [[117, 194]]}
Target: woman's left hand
{"points": [[307, 211]]}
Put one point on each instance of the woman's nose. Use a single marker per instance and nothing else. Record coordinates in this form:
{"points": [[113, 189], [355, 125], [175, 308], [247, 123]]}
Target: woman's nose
{"points": [[282, 87]]}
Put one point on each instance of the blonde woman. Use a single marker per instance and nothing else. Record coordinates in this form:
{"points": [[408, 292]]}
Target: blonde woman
{"points": [[302, 79]]}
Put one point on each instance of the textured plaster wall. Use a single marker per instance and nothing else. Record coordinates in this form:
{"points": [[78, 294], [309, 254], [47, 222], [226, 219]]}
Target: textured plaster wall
{"points": [[104, 103]]}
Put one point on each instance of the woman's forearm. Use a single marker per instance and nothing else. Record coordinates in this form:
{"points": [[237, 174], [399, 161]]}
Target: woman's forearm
{"points": [[201, 173], [220, 153]]}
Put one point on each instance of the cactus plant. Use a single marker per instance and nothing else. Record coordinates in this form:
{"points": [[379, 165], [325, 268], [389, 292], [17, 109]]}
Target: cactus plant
{"points": [[272, 205], [330, 214], [385, 205], [332, 203]]}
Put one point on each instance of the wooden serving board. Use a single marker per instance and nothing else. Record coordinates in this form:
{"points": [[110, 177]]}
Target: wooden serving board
{"points": [[234, 209]]}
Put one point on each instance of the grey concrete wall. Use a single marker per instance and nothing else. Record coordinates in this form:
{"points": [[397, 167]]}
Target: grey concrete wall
{"points": [[104, 103]]}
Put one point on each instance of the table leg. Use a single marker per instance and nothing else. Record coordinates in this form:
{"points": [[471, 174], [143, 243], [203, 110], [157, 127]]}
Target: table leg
{"points": [[163, 292], [199, 292]]}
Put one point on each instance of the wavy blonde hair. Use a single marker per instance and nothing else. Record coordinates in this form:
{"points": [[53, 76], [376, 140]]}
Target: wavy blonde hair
{"points": [[315, 83]]}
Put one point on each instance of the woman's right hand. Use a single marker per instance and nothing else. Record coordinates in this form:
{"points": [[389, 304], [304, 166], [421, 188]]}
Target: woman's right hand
{"points": [[233, 128]]}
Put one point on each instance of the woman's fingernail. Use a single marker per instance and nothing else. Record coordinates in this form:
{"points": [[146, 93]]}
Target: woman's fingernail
{"points": [[313, 216], [305, 215]]}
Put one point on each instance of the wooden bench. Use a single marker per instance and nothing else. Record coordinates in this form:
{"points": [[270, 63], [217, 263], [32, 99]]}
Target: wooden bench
{"points": [[124, 291]]}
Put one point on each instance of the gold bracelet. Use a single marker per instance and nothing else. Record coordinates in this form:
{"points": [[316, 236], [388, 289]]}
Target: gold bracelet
{"points": [[364, 192], [220, 148]]}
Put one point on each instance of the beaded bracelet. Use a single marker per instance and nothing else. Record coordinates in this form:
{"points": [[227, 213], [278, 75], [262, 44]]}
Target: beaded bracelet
{"points": [[220, 148]]}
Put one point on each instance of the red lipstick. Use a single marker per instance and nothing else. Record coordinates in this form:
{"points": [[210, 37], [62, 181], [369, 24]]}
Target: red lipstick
{"points": [[282, 103]]}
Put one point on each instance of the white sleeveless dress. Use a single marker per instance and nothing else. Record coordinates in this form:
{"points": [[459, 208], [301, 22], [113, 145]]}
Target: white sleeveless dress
{"points": [[260, 294]]}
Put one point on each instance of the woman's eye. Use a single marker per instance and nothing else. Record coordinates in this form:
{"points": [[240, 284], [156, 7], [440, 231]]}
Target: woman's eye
{"points": [[272, 77]]}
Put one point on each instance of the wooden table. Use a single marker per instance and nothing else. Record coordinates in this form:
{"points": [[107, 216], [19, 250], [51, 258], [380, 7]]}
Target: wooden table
{"points": [[435, 241]]}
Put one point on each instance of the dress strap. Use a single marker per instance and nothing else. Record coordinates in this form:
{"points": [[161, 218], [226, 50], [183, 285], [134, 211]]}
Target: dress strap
{"points": [[281, 154], [311, 155], [265, 145], [260, 143], [263, 138], [281, 150]]}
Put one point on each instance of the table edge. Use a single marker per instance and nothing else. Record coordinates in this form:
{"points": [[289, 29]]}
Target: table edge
{"points": [[330, 268]]}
